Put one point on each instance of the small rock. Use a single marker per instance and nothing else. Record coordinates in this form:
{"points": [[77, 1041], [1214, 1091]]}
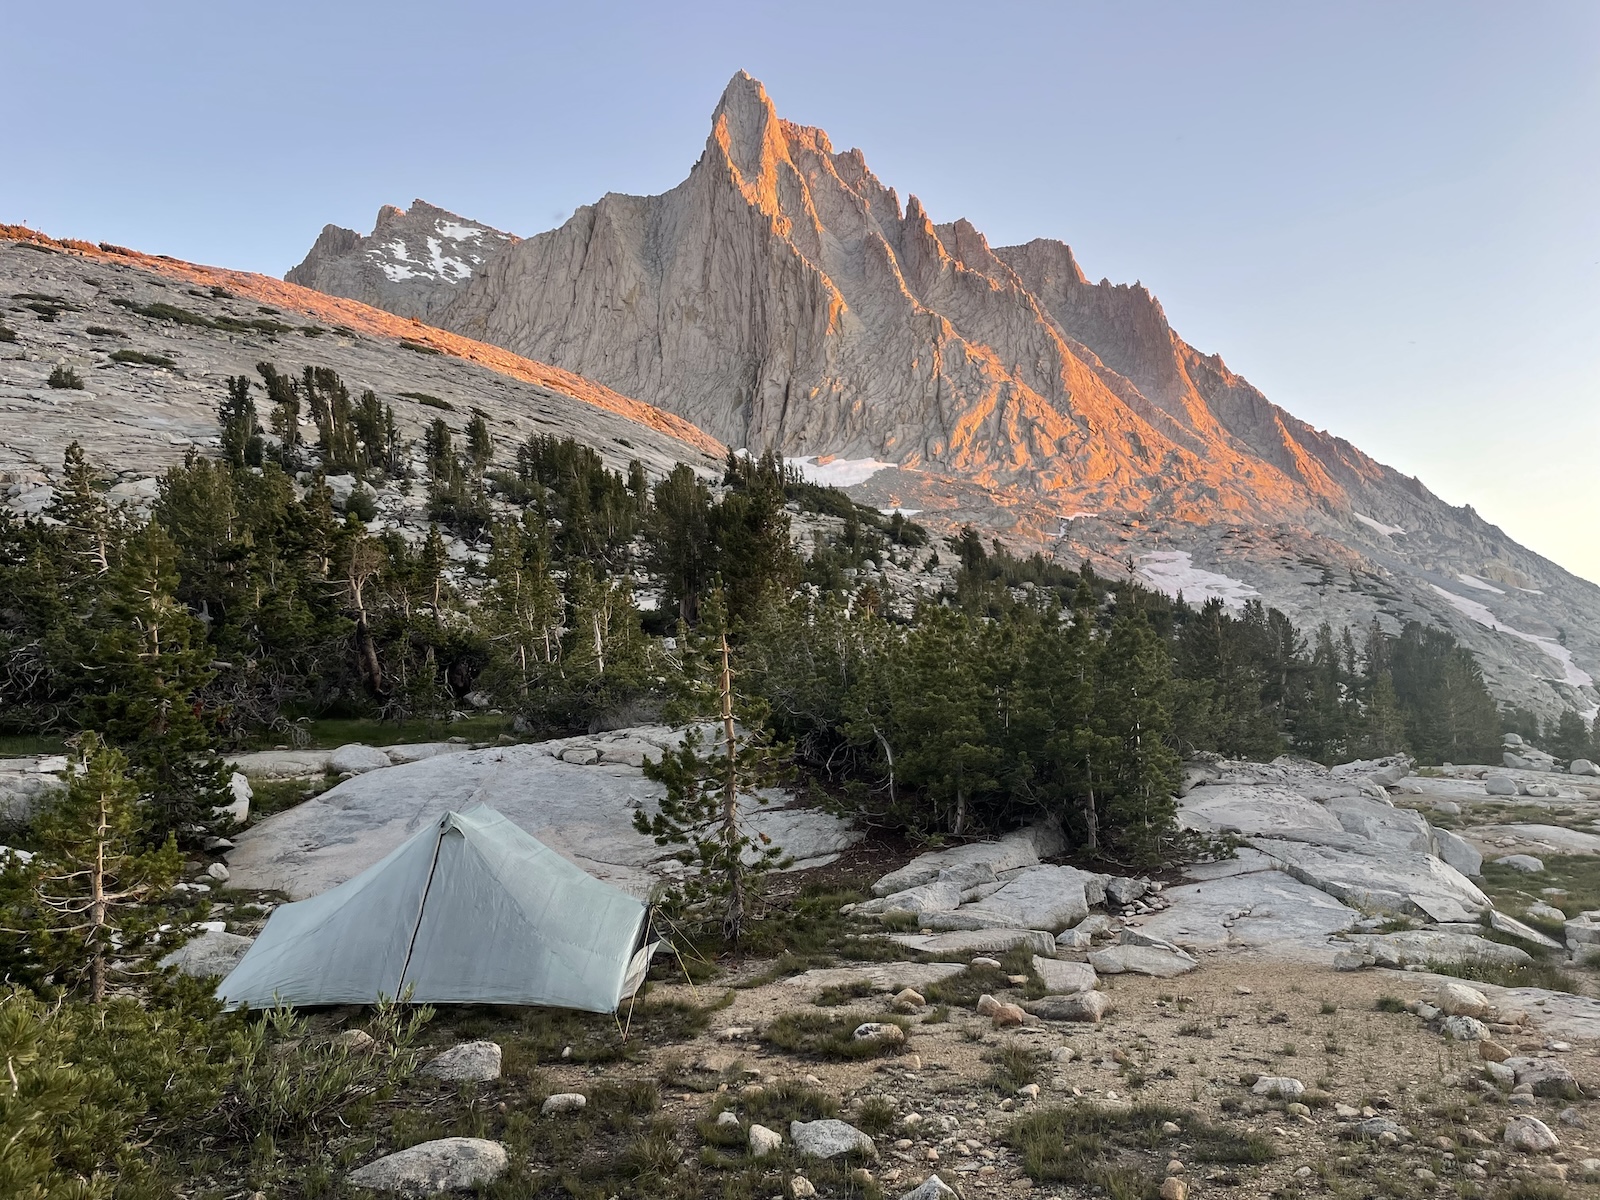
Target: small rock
{"points": [[1173, 1188], [1296, 1109], [764, 1141], [1464, 1029], [1029, 1091], [987, 1005], [931, 1188], [1459, 1000], [800, 1187], [1530, 1135], [470, 1062], [986, 962], [1492, 1051], [1063, 1054], [1279, 1087], [909, 998], [1171, 1128], [563, 1102], [354, 1041], [1007, 1015], [1571, 1116], [726, 1118], [218, 871]]}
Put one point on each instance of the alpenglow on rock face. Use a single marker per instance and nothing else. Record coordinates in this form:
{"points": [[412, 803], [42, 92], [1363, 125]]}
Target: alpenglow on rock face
{"points": [[783, 296], [411, 263]]}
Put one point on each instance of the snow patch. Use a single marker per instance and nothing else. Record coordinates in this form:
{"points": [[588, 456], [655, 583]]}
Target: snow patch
{"points": [[836, 472], [1378, 526], [1472, 581], [904, 512], [1076, 515], [1472, 610], [395, 264], [451, 231], [1173, 571], [446, 267]]}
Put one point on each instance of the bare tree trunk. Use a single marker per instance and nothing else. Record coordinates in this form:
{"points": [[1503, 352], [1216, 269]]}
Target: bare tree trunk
{"points": [[97, 909], [733, 918]]}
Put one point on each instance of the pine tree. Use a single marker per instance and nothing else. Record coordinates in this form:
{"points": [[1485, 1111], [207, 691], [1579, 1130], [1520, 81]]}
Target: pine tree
{"points": [[708, 795], [241, 429], [480, 446], [1133, 690], [144, 660], [91, 874], [284, 395]]}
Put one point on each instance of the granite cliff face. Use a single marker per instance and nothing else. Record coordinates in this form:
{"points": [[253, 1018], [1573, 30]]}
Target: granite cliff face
{"points": [[411, 264], [782, 296]]}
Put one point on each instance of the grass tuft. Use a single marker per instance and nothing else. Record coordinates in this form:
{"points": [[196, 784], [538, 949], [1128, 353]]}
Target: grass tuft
{"points": [[825, 1035]]}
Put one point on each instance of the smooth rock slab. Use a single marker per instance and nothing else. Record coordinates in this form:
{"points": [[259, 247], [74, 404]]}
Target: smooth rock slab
{"points": [[1418, 947], [1389, 880], [1266, 810], [1040, 898], [1141, 960], [885, 977], [1020, 849], [1527, 933], [964, 943], [470, 1062], [1382, 823], [1554, 839], [212, 954], [938, 896], [446, 1165], [829, 1139], [1268, 911], [1063, 978]]}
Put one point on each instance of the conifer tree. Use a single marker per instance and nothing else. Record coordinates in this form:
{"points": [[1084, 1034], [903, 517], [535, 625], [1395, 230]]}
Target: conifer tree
{"points": [[87, 882], [710, 789], [241, 429]]}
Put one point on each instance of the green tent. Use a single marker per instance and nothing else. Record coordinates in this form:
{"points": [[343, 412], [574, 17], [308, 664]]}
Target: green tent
{"points": [[470, 911]]}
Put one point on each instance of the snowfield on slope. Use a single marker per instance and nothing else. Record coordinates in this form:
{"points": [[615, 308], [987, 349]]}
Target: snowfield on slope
{"points": [[837, 472], [1571, 672], [1173, 571]]}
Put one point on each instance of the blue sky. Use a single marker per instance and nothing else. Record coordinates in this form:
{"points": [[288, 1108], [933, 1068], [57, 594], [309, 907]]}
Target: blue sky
{"points": [[1385, 215]]}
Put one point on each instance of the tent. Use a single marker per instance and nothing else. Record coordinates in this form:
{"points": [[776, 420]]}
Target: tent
{"points": [[471, 910]]}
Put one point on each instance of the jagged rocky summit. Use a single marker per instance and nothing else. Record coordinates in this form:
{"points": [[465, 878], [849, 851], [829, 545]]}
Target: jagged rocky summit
{"points": [[411, 264], [783, 296]]}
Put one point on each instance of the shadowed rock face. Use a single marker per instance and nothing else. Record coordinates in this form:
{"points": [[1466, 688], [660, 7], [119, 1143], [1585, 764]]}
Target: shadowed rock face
{"points": [[783, 296], [411, 264]]}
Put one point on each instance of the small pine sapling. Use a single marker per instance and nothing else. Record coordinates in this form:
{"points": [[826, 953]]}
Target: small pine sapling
{"points": [[709, 792]]}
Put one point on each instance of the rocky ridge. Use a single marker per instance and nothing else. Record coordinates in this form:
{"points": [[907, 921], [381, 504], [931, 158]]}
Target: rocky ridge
{"points": [[411, 264], [783, 296]]}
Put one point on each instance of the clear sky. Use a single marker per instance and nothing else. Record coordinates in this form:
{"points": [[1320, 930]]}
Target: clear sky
{"points": [[1386, 215]]}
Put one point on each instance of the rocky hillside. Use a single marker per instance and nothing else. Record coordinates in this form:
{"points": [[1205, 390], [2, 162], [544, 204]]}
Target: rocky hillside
{"points": [[783, 296], [412, 264], [152, 340]]}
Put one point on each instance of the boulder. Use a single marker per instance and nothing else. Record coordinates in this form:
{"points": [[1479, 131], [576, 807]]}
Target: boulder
{"points": [[1021, 849], [1459, 1000], [212, 954], [1463, 1029], [1526, 863], [470, 1062], [1051, 898], [1278, 1087], [1264, 910], [829, 1139], [1530, 1135], [237, 809], [356, 759], [1546, 1076], [563, 1102], [1458, 852], [281, 764], [1091, 1007], [1500, 785], [1582, 766], [446, 1165], [764, 1141], [939, 896], [1123, 892], [1141, 960], [879, 1033], [1063, 978]]}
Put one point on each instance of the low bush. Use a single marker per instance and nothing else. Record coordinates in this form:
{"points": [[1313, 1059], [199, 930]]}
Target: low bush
{"points": [[104, 331], [428, 401], [7, 334], [825, 1035], [65, 377], [419, 348], [141, 358]]}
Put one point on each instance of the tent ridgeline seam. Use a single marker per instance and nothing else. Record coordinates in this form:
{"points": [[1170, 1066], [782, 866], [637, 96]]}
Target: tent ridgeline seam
{"points": [[416, 929]]}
